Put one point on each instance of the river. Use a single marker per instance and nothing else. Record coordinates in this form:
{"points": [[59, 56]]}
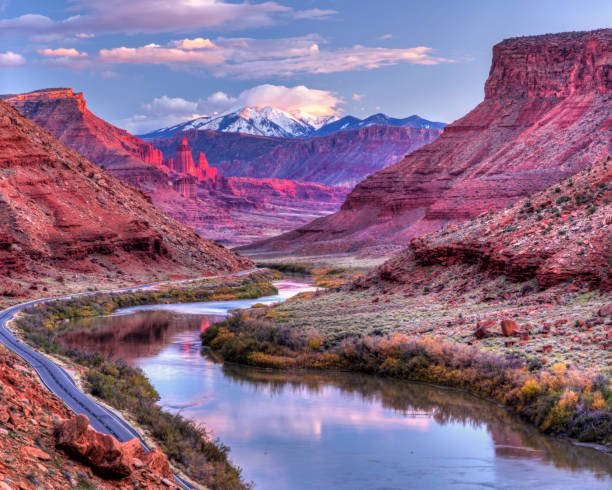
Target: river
{"points": [[335, 430]]}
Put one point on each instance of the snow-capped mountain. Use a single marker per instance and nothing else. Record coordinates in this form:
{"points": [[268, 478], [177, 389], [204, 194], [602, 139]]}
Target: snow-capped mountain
{"points": [[270, 121], [351, 122], [265, 121]]}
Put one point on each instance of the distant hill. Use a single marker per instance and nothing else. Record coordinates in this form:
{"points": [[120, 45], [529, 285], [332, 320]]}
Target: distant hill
{"points": [[350, 122]]}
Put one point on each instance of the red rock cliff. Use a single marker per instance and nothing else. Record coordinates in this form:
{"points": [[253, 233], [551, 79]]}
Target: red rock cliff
{"points": [[60, 213], [64, 113], [342, 158], [546, 115]]}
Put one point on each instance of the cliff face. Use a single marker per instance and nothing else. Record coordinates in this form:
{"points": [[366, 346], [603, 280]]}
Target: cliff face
{"points": [[557, 235], [342, 158], [64, 114], [546, 115], [59, 213]]}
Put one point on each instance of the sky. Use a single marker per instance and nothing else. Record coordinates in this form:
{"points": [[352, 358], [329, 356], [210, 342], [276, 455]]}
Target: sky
{"points": [[145, 64]]}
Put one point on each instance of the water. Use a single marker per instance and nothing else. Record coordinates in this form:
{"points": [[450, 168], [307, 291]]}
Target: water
{"points": [[336, 430]]}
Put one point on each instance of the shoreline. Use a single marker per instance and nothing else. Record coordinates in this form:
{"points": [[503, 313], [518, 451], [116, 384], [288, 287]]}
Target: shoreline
{"points": [[545, 398], [47, 318], [597, 447]]}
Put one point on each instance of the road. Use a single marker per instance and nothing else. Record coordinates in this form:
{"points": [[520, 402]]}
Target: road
{"points": [[60, 383]]}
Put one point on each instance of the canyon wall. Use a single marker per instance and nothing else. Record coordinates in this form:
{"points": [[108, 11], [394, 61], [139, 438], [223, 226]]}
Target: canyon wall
{"points": [[546, 115], [339, 159], [60, 214]]}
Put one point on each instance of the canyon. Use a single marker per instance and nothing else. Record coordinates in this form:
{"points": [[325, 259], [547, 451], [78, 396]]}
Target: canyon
{"points": [[63, 216], [546, 116], [262, 186], [342, 158]]}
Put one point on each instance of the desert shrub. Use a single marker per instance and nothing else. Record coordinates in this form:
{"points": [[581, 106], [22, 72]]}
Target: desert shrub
{"points": [[558, 400]]}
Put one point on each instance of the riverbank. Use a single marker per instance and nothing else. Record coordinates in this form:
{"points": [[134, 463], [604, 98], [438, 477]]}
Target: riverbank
{"points": [[188, 446], [550, 366]]}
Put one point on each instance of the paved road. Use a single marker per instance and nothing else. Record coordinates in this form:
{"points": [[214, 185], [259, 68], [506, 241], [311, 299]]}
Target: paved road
{"points": [[60, 383]]}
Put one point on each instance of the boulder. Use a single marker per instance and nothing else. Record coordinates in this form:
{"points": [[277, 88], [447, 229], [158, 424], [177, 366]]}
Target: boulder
{"points": [[105, 454], [509, 327], [605, 310]]}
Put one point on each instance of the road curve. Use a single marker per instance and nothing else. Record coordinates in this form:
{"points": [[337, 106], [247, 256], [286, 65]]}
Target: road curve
{"points": [[60, 383]]}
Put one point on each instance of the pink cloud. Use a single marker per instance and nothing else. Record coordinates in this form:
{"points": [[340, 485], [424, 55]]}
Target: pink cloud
{"points": [[248, 58], [156, 54], [138, 16], [197, 43], [64, 52]]}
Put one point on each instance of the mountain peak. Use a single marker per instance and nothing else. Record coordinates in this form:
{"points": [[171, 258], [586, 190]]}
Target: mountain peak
{"points": [[272, 121]]}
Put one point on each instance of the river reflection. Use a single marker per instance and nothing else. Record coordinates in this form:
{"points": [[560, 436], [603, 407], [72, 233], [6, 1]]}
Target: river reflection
{"points": [[339, 430]]}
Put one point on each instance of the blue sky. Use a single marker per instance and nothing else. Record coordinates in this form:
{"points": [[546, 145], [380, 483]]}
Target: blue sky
{"points": [[147, 63]]}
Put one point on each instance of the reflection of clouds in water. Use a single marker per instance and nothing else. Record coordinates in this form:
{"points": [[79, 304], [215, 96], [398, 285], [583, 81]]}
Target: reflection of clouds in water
{"points": [[304, 417], [306, 430]]}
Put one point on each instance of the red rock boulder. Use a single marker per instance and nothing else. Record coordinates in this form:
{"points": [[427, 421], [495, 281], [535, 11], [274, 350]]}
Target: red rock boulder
{"points": [[105, 454], [509, 327]]}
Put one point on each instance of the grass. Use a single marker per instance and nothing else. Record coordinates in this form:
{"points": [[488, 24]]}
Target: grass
{"points": [[187, 445]]}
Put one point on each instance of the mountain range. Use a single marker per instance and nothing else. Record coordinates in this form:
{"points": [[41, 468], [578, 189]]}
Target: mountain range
{"points": [[271, 121]]}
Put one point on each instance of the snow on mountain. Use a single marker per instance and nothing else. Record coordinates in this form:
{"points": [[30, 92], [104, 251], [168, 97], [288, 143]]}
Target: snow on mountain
{"points": [[350, 122], [270, 121], [264, 121]]}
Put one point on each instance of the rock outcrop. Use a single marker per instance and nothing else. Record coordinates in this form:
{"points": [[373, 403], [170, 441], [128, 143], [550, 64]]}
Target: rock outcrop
{"points": [[342, 158], [558, 235], [38, 452], [104, 454], [60, 214], [546, 115], [183, 159], [64, 114]]}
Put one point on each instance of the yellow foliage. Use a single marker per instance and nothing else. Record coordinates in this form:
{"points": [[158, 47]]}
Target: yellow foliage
{"points": [[531, 389], [598, 401], [315, 343], [559, 369]]}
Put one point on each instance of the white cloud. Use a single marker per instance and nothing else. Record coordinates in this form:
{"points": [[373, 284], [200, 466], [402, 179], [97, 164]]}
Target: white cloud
{"points": [[139, 16], [10, 59], [384, 37], [197, 43], [248, 58], [67, 52], [358, 97], [85, 35], [166, 111], [299, 98]]}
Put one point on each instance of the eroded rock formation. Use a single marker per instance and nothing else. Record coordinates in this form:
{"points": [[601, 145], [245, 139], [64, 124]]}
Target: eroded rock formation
{"points": [[342, 158], [34, 447], [546, 115], [558, 235], [59, 213]]}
